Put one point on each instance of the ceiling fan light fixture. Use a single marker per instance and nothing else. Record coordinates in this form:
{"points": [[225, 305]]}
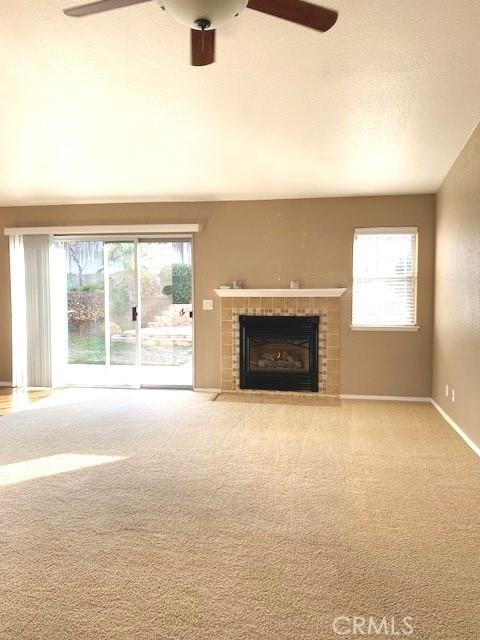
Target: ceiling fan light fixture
{"points": [[194, 13], [203, 17]]}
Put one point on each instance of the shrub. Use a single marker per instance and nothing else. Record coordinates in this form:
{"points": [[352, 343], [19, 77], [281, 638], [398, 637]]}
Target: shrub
{"points": [[92, 286], [181, 288], [85, 306]]}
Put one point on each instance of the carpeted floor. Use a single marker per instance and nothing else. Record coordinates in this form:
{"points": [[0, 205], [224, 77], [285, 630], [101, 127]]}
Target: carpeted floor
{"points": [[220, 520]]}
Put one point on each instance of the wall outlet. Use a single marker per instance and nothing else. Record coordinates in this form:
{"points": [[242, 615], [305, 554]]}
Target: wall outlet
{"points": [[453, 395], [447, 392], [208, 305]]}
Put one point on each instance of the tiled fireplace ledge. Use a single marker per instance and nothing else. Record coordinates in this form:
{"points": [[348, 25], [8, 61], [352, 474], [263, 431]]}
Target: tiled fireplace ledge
{"points": [[280, 293], [301, 303]]}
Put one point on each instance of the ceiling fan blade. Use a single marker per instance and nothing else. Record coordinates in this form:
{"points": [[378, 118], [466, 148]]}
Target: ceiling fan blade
{"points": [[203, 47], [99, 7], [304, 13]]}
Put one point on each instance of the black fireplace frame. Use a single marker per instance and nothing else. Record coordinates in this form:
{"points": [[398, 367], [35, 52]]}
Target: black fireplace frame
{"points": [[284, 327]]}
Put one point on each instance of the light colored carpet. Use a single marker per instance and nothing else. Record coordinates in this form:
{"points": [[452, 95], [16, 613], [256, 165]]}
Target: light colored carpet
{"points": [[235, 521]]}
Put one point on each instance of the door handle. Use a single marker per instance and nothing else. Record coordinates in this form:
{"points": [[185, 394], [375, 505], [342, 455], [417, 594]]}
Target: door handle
{"points": [[134, 314]]}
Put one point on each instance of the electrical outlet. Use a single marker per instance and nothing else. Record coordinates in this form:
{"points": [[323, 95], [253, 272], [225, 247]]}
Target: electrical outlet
{"points": [[447, 392], [208, 305], [453, 395]]}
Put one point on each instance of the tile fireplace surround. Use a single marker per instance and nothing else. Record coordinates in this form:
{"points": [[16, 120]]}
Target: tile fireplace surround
{"points": [[324, 303]]}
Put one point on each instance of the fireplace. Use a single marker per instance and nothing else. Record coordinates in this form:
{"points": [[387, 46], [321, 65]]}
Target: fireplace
{"points": [[279, 353]]}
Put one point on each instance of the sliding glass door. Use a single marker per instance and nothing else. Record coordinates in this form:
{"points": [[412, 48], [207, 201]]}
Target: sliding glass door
{"points": [[128, 312], [85, 308], [121, 302], [166, 338]]}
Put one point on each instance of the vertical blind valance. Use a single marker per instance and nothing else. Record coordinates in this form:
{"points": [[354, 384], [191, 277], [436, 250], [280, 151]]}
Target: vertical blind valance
{"points": [[385, 277]]}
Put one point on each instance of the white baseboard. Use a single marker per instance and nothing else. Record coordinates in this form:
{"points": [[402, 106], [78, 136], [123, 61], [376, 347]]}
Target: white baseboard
{"points": [[200, 390], [474, 447], [5, 384], [347, 396], [454, 425]]}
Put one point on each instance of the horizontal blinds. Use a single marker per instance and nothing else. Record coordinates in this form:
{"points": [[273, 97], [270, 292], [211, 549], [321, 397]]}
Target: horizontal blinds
{"points": [[385, 278]]}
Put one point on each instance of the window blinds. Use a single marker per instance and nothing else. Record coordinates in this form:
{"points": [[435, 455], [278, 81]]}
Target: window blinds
{"points": [[385, 277]]}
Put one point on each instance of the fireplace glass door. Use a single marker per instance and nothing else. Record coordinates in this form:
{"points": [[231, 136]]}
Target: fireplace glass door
{"points": [[287, 355], [279, 353]]}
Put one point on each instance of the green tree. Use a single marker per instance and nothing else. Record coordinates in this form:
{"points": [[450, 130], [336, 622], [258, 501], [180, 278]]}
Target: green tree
{"points": [[181, 288]]}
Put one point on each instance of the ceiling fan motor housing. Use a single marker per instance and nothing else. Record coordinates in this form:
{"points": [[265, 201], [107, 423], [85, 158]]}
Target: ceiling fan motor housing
{"points": [[195, 13]]}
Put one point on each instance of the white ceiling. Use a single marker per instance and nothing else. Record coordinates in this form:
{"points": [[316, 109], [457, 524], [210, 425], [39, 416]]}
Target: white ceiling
{"points": [[107, 108]]}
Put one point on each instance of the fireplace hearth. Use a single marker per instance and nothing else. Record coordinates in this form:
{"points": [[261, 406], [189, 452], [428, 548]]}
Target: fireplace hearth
{"points": [[279, 353]]}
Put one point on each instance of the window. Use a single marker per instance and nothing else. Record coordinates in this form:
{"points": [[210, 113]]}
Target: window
{"points": [[385, 278]]}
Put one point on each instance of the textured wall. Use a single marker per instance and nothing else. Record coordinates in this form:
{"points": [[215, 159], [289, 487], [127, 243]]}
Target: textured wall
{"points": [[457, 291], [268, 243]]}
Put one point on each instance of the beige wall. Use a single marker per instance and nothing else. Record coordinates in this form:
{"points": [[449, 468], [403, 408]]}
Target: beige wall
{"points": [[268, 243], [457, 298]]}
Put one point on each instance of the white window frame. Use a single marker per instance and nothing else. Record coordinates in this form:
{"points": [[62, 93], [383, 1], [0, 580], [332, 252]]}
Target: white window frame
{"points": [[387, 231]]}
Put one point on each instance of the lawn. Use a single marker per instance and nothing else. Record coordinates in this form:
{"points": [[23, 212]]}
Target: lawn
{"points": [[91, 350]]}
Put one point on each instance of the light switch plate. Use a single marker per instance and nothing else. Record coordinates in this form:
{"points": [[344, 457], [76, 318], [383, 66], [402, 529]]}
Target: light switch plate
{"points": [[208, 305]]}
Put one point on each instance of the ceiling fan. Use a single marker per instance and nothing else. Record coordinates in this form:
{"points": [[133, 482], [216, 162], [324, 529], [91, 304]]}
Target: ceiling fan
{"points": [[204, 16]]}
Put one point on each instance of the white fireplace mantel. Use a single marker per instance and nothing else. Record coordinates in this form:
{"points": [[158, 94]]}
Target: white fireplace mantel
{"points": [[280, 293]]}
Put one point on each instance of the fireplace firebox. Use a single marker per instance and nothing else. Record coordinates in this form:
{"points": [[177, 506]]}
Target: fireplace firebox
{"points": [[279, 353]]}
